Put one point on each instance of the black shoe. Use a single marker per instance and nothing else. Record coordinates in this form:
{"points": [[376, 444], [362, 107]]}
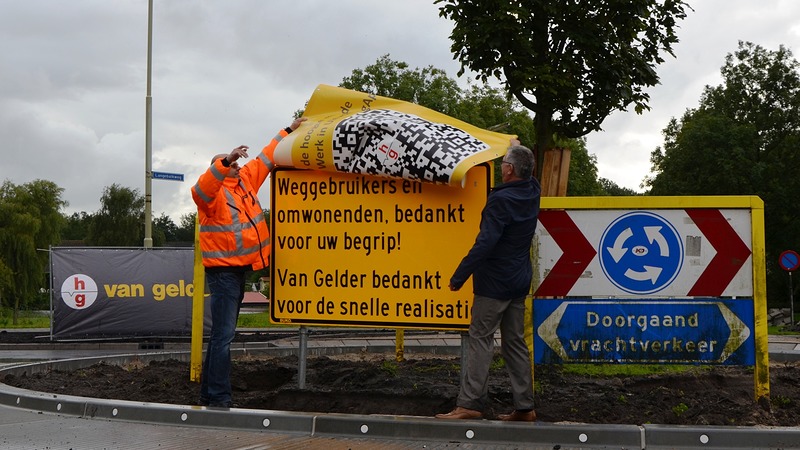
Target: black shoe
{"points": [[203, 401]]}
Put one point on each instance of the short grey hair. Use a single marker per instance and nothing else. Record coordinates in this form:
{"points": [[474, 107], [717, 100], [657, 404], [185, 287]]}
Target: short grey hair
{"points": [[522, 159]]}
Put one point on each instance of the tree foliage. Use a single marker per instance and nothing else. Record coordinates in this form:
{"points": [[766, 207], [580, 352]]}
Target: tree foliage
{"points": [[44, 200], [489, 108], [611, 188], [30, 219], [571, 63], [120, 220], [583, 171], [165, 230], [76, 226], [429, 87], [185, 231], [483, 106], [742, 139]]}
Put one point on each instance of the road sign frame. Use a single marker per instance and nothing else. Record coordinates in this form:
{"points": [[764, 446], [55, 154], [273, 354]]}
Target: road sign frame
{"points": [[758, 253]]}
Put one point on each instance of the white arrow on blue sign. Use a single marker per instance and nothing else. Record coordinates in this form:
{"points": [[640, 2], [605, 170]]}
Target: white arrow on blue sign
{"points": [[701, 331]]}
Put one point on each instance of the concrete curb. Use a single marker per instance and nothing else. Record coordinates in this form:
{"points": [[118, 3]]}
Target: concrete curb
{"points": [[478, 432], [720, 438]]}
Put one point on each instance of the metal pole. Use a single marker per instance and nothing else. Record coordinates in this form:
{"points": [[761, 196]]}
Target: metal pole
{"points": [[301, 372], [148, 137], [464, 346], [198, 312], [399, 345], [791, 299]]}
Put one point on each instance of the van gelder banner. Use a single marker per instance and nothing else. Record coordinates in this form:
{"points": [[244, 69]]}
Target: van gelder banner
{"points": [[352, 249], [124, 292], [355, 132]]}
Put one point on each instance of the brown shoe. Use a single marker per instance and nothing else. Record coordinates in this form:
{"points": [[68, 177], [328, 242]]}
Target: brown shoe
{"points": [[461, 413], [519, 416]]}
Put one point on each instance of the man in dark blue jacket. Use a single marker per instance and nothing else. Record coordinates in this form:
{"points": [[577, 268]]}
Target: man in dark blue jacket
{"points": [[500, 265]]}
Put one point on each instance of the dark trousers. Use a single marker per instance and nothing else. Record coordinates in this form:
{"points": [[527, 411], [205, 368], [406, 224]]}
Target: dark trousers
{"points": [[227, 292]]}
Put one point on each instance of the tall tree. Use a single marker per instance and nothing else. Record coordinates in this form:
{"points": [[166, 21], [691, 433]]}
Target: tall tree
{"points": [[164, 230], [611, 188], [120, 219], [582, 170], [30, 219], [482, 105], [489, 108], [743, 140], [20, 268], [44, 199], [571, 63], [19, 256], [76, 226], [429, 87], [185, 231]]}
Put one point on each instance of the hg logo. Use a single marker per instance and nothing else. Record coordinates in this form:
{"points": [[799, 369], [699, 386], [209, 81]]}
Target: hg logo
{"points": [[79, 291]]}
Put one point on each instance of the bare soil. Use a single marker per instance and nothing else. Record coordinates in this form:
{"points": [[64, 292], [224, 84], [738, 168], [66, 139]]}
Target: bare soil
{"points": [[424, 385]]}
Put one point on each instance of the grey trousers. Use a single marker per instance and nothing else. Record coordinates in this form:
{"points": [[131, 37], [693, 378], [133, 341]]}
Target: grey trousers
{"points": [[488, 315]]}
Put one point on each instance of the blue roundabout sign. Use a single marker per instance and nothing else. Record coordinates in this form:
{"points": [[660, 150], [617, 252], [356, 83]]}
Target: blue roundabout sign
{"points": [[641, 253]]}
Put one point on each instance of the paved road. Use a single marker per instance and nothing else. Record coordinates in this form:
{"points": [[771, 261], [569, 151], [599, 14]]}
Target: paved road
{"points": [[31, 420]]}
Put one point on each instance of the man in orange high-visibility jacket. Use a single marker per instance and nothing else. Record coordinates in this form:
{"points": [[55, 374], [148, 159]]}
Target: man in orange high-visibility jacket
{"points": [[234, 240]]}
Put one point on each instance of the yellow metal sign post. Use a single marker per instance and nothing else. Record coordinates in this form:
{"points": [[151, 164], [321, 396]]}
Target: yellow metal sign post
{"points": [[196, 356]]}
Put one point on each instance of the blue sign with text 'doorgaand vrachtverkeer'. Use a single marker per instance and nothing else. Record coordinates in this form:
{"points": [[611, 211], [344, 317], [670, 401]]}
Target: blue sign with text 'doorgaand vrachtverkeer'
{"points": [[700, 331]]}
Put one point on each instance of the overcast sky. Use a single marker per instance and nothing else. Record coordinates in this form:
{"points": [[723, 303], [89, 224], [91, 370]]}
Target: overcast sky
{"points": [[226, 73]]}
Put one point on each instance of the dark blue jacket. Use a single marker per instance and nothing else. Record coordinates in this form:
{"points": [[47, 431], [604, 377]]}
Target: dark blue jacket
{"points": [[500, 259]]}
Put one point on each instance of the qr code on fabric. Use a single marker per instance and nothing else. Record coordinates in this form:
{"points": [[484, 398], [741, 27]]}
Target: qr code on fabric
{"points": [[391, 143]]}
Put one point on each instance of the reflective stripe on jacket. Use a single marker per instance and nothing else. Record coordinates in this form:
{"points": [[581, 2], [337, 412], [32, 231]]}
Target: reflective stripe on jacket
{"points": [[233, 229]]}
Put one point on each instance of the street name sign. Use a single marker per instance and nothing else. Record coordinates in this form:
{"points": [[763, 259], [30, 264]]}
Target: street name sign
{"points": [[167, 176]]}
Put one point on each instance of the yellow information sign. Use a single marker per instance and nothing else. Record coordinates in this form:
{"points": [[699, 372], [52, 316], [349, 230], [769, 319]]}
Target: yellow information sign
{"points": [[359, 250]]}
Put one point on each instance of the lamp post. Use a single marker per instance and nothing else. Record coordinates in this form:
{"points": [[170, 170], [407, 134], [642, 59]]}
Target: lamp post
{"points": [[148, 137]]}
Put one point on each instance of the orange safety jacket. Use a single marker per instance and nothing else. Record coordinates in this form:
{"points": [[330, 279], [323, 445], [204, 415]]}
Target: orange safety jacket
{"points": [[233, 229]]}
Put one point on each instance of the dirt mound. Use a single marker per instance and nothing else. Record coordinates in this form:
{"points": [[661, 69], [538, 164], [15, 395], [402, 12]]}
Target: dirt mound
{"points": [[424, 385]]}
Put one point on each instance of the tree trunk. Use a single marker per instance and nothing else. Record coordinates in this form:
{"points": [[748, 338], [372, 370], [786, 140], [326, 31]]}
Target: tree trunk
{"points": [[555, 172]]}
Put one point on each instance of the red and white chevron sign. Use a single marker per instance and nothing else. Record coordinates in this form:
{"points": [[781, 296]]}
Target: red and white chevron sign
{"points": [[654, 253]]}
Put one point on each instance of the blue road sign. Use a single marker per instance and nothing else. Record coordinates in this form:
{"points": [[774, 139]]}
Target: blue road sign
{"points": [[698, 331], [168, 176], [641, 253], [789, 260]]}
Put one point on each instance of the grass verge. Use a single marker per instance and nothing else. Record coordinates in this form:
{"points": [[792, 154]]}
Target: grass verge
{"points": [[41, 319]]}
